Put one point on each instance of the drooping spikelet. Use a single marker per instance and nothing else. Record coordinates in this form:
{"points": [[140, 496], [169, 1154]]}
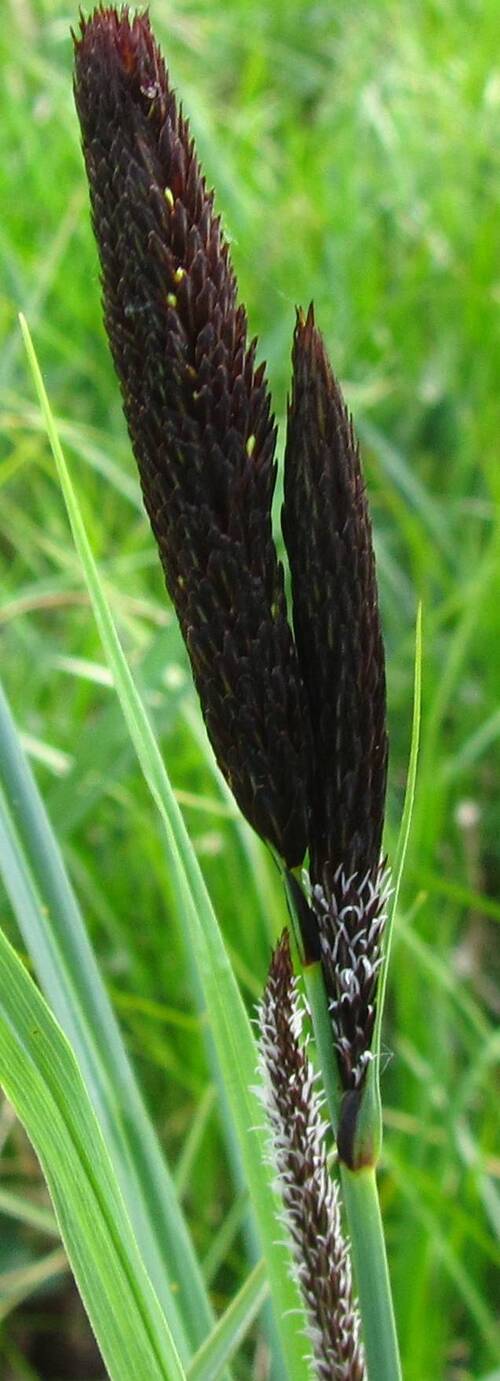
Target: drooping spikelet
{"points": [[310, 1198], [339, 642], [198, 414]]}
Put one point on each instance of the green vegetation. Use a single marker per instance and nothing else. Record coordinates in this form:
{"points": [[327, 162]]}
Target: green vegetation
{"points": [[354, 150]]}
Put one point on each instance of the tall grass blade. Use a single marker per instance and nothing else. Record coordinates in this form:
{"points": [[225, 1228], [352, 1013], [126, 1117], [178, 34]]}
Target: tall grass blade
{"points": [[231, 1028], [404, 833], [41, 1077], [55, 936], [231, 1329]]}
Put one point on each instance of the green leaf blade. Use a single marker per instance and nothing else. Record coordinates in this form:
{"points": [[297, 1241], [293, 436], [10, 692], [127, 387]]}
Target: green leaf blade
{"points": [[41, 1078], [230, 1025], [54, 933]]}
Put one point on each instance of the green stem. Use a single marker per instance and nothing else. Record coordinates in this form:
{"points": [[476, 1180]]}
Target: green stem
{"points": [[322, 1026], [371, 1273], [360, 1194]]}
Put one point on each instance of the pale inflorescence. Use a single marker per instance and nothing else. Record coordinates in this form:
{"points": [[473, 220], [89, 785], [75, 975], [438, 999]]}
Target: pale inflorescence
{"points": [[310, 1199]]}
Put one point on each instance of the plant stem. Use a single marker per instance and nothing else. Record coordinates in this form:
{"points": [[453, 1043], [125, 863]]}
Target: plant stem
{"points": [[360, 1195], [371, 1273], [322, 1026]]}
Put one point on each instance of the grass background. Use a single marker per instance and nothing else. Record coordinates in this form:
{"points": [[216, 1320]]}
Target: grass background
{"points": [[354, 150]]}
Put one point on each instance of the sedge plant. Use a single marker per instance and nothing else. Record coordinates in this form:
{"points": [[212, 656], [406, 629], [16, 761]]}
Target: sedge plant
{"points": [[296, 715], [294, 701]]}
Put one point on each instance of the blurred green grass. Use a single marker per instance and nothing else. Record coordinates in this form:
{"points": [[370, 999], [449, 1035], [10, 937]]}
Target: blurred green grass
{"points": [[354, 150]]}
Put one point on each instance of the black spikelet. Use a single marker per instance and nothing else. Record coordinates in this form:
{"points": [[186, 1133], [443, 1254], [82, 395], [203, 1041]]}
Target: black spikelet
{"points": [[339, 642], [337, 627], [198, 414]]}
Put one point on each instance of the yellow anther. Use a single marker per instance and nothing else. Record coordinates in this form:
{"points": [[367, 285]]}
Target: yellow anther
{"points": [[169, 197], [250, 446], [171, 300], [179, 275]]}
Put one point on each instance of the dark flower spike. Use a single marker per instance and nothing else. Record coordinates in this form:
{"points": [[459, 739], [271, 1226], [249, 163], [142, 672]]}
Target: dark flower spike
{"points": [[198, 415], [339, 642], [337, 627], [311, 1209]]}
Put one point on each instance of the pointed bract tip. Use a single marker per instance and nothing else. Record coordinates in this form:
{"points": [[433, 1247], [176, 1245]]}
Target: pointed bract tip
{"points": [[304, 322], [124, 31]]}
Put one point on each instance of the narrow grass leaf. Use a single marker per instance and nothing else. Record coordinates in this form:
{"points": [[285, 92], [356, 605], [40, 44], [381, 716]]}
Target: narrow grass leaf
{"points": [[409, 485], [231, 1028], [232, 1328], [19, 1283], [41, 1078], [404, 832], [17, 1206], [54, 933], [453, 1262]]}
